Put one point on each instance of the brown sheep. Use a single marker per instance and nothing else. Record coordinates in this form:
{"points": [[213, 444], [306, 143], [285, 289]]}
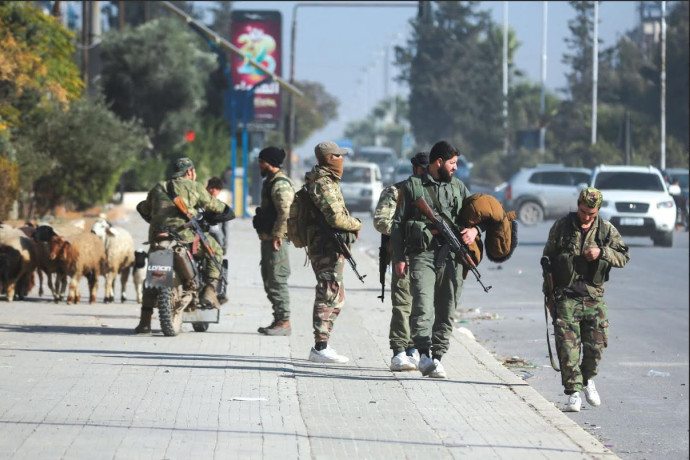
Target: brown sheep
{"points": [[17, 263], [80, 255], [119, 255], [42, 236]]}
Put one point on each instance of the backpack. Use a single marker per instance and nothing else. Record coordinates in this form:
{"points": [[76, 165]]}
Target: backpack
{"points": [[299, 218]]}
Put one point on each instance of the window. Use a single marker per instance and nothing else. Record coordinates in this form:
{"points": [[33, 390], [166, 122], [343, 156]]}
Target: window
{"points": [[628, 181]]}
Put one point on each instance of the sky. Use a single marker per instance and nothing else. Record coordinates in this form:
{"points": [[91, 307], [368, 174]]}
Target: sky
{"points": [[344, 47]]}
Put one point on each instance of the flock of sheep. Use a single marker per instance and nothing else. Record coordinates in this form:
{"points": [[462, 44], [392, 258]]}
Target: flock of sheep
{"points": [[68, 252]]}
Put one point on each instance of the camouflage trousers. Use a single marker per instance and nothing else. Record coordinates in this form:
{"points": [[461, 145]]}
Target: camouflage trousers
{"points": [[275, 270], [329, 298], [399, 335], [581, 331], [435, 294]]}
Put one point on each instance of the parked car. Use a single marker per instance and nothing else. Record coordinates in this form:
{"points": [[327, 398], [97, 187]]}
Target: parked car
{"points": [[361, 186], [384, 157], [637, 201], [545, 191], [682, 175]]}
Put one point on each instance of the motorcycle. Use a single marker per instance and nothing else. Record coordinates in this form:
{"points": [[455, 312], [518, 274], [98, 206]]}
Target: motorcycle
{"points": [[176, 276]]}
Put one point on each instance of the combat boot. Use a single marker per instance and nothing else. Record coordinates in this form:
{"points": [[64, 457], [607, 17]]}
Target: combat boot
{"points": [[144, 326], [262, 330], [280, 327], [208, 295]]}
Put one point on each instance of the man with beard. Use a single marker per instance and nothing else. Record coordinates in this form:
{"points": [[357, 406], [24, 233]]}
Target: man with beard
{"points": [[322, 183], [270, 223], [435, 279]]}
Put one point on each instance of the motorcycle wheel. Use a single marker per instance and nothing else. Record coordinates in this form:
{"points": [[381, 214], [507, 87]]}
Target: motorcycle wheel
{"points": [[200, 327], [171, 320]]}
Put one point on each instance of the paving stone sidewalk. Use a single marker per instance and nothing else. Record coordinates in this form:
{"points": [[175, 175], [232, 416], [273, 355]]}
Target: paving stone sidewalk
{"points": [[75, 384]]}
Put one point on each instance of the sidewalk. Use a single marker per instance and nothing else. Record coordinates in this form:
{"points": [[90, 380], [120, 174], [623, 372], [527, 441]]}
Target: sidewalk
{"points": [[75, 384]]}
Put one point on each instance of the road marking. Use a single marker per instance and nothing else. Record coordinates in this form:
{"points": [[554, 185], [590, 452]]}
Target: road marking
{"points": [[652, 364]]}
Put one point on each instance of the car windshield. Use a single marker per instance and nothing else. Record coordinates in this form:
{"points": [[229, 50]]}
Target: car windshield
{"points": [[356, 175], [611, 180], [378, 158]]}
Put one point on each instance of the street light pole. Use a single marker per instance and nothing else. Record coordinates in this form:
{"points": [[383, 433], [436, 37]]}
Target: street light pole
{"points": [[595, 71], [662, 163], [542, 128], [506, 141]]}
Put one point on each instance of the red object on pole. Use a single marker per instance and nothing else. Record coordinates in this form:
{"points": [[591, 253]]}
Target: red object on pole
{"points": [[189, 136]]}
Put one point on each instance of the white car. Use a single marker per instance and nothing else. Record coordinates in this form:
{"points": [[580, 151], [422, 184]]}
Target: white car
{"points": [[361, 186], [636, 201]]}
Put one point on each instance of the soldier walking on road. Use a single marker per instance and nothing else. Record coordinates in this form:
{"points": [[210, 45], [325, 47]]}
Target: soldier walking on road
{"points": [[582, 247], [270, 223], [322, 183], [435, 280], [405, 355]]}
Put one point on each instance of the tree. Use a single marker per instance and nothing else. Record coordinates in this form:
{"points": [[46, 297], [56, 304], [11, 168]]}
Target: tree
{"points": [[581, 44], [387, 122], [157, 73]]}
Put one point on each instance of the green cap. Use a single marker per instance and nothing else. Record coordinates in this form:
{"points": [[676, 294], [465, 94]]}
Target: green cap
{"points": [[591, 197], [181, 166]]}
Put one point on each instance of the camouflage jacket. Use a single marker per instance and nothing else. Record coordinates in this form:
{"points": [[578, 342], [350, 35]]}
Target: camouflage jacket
{"points": [[566, 236], [160, 212], [277, 192], [324, 191], [385, 209], [450, 196]]}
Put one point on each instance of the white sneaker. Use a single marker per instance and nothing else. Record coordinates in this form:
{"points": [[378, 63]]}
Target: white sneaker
{"points": [[327, 355], [426, 365], [414, 358], [402, 362], [574, 403], [439, 372], [591, 394]]}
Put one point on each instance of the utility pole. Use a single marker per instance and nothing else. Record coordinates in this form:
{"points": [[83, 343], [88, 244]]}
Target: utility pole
{"points": [[542, 104], [121, 18], [662, 163], [506, 140], [85, 7], [595, 71]]}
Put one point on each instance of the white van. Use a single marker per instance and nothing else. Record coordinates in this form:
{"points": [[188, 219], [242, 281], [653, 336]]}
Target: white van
{"points": [[384, 157], [361, 186]]}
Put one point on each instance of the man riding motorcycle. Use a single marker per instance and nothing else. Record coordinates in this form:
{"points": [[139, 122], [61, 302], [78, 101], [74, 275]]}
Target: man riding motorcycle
{"points": [[162, 215]]}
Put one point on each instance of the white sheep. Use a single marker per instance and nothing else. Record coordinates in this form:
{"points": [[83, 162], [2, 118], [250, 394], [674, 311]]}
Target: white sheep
{"points": [[139, 272], [119, 255]]}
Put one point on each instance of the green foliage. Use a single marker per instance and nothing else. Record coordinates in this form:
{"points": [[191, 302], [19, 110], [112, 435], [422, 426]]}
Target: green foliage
{"points": [[87, 148], [385, 125], [313, 111], [9, 186], [210, 151]]}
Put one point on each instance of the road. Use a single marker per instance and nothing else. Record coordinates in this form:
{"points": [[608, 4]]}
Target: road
{"points": [[643, 379]]}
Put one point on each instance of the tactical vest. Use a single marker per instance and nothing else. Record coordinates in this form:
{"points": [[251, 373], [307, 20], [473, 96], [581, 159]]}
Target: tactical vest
{"points": [[265, 217], [569, 267]]}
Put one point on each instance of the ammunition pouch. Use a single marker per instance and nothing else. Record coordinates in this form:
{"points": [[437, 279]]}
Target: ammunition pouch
{"points": [[264, 219], [566, 267], [563, 270], [418, 236]]}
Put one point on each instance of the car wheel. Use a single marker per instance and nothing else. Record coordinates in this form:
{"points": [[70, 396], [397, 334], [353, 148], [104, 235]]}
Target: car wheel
{"points": [[530, 213], [663, 239]]}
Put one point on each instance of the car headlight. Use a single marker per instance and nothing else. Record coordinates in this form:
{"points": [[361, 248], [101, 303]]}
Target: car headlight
{"points": [[664, 204], [365, 192]]}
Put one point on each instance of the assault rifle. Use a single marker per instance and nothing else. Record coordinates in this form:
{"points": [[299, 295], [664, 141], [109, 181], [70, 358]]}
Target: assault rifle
{"points": [[550, 305], [337, 239], [384, 260], [455, 245], [194, 224]]}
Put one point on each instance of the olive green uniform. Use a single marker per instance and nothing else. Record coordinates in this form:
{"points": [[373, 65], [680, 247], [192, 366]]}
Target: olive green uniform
{"points": [[580, 311], [401, 298], [277, 195], [435, 284], [324, 191]]}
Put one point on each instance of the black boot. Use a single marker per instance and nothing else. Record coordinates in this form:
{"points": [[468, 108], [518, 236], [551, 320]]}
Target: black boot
{"points": [[144, 326]]}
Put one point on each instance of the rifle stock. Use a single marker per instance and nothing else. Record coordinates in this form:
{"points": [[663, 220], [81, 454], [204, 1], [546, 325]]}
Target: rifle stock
{"points": [[384, 260], [549, 304], [456, 245]]}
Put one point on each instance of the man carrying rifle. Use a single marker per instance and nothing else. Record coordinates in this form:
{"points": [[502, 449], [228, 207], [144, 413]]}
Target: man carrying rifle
{"points": [[581, 249], [327, 260], [163, 214], [405, 355], [435, 273]]}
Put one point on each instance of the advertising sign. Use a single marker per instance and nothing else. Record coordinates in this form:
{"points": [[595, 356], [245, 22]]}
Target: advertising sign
{"points": [[259, 35]]}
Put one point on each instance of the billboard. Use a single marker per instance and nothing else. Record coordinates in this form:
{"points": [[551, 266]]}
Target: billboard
{"points": [[259, 35]]}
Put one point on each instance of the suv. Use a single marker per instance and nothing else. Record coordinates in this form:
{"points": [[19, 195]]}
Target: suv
{"points": [[384, 157], [636, 201], [361, 186], [544, 191]]}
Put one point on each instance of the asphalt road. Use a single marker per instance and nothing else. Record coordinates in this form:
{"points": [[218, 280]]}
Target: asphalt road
{"points": [[643, 380]]}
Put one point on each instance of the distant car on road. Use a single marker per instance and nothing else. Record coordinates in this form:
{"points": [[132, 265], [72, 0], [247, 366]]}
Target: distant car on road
{"points": [[361, 186], [637, 201], [544, 191], [384, 157]]}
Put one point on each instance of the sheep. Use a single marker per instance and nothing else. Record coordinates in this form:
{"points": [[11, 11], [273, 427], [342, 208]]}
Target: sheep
{"points": [[42, 236], [17, 263], [119, 255], [139, 272], [80, 255]]}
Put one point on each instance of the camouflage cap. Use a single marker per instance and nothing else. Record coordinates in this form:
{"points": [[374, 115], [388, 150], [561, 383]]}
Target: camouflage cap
{"points": [[591, 197], [329, 148], [181, 166]]}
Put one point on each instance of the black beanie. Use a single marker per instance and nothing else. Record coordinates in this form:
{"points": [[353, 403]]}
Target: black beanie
{"points": [[272, 155], [420, 159]]}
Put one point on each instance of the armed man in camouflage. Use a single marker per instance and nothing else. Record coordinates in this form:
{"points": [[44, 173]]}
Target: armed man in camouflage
{"points": [[582, 247], [324, 190], [161, 213], [270, 223], [435, 281], [405, 355]]}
